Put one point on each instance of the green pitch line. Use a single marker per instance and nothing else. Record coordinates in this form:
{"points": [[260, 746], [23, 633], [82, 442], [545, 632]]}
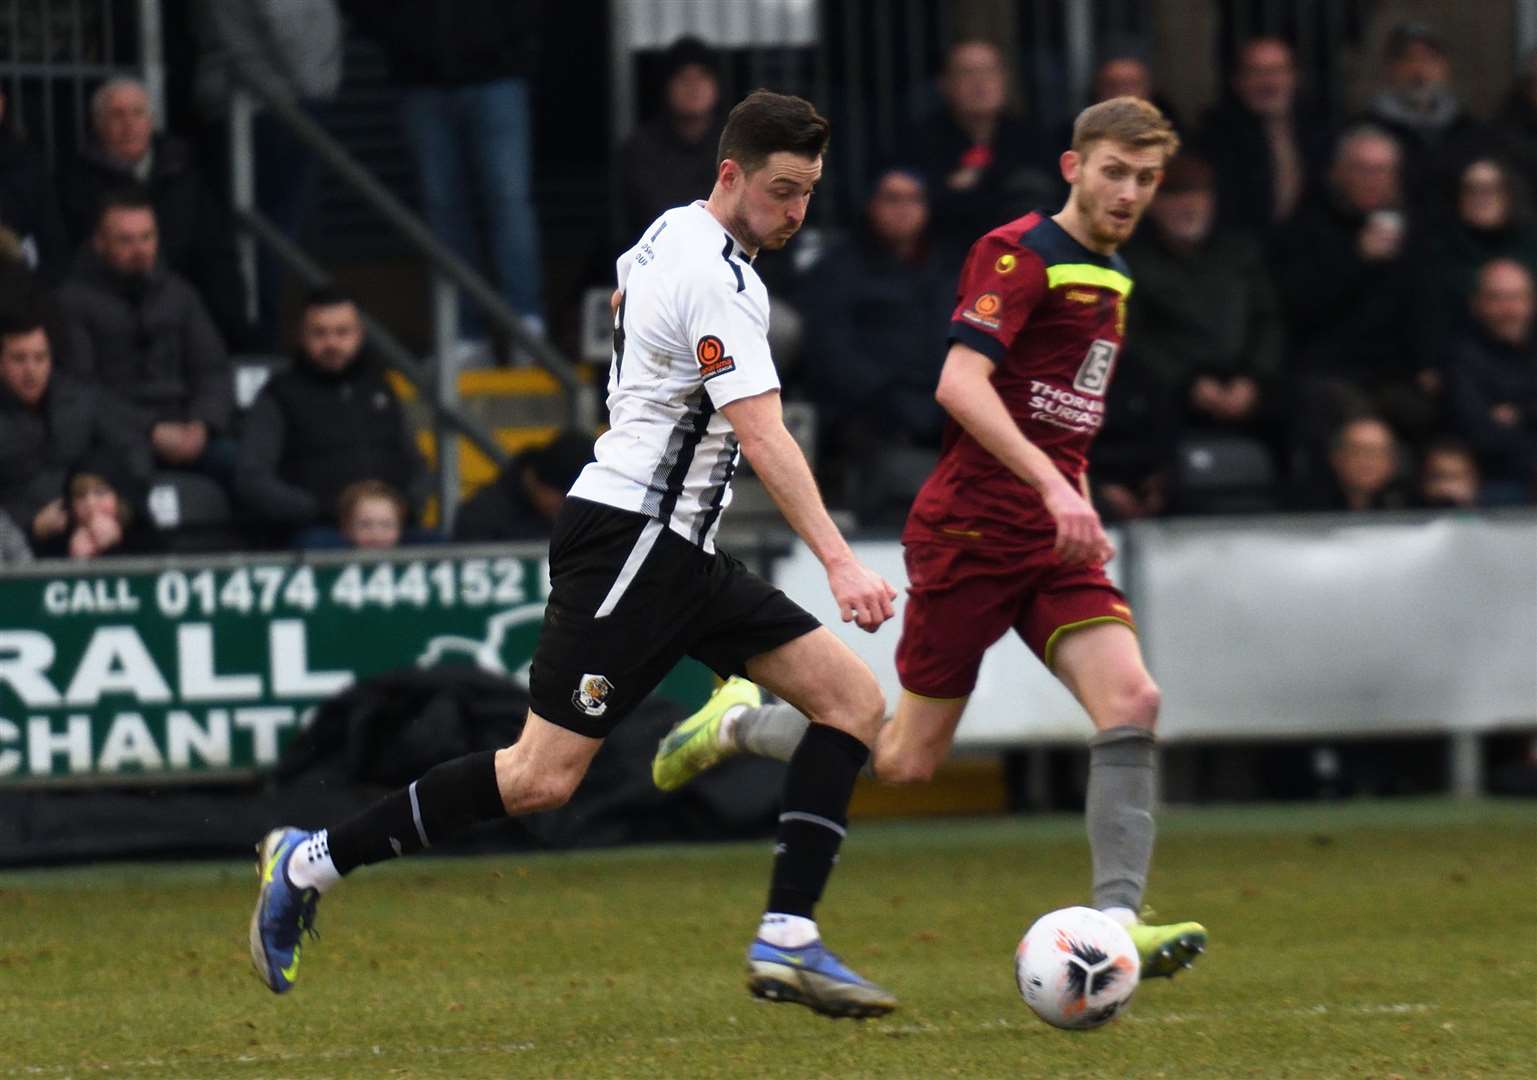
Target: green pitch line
{"points": [[1348, 940]]}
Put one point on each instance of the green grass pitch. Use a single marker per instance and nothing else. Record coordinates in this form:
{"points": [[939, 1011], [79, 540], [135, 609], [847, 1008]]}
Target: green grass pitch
{"points": [[1373, 940]]}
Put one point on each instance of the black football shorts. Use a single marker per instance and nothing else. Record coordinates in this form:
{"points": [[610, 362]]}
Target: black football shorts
{"points": [[629, 598]]}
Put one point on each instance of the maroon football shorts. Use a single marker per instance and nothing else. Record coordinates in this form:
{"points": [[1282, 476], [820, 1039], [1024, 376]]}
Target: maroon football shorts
{"points": [[961, 600]]}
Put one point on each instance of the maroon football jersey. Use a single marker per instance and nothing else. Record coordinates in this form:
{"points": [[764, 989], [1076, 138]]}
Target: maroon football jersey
{"points": [[1051, 315]]}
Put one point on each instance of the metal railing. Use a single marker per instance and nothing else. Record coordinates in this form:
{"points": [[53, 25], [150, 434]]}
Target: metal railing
{"points": [[451, 277]]}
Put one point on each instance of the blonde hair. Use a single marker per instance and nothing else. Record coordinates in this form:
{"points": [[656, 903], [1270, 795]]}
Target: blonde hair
{"points": [[1129, 121], [355, 493]]}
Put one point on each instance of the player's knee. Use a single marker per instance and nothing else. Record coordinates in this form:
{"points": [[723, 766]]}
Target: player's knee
{"points": [[1140, 704], [866, 708], [856, 706]]}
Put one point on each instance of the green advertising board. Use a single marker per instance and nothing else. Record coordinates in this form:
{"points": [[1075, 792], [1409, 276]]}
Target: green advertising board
{"points": [[206, 668]]}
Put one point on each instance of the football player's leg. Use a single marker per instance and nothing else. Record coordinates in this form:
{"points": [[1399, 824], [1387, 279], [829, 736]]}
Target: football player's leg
{"points": [[1101, 663], [917, 738], [819, 675], [295, 867]]}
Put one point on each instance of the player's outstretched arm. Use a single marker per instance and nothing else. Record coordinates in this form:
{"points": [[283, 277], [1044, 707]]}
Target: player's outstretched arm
{"points": [[863, 595], [966, 393]]}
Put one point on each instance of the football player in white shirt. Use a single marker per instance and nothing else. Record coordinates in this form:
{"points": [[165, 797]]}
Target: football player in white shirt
{"points": [[636, 582]]}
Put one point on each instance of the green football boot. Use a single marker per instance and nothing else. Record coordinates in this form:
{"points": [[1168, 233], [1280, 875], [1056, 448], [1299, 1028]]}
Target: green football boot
{"points": [[1166, 950], [694, 744]]}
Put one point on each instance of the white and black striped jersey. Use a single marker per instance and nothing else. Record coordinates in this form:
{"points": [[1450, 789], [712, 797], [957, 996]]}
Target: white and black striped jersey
{"points": [[691, 336]]}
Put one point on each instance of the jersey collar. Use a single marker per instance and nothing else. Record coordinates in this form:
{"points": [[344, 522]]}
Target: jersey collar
{"points": [[737, 251]]}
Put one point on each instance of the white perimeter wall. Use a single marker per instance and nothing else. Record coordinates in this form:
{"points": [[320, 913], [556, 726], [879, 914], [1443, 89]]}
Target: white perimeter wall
{"points": [[1278, 627]]}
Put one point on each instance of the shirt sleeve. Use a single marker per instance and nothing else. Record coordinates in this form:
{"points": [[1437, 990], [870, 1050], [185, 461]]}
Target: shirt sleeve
{"points": [[1001, 284], [727, 330]]}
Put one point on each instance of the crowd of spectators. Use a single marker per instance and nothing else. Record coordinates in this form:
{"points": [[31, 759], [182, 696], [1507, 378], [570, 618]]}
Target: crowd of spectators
{"points": [[1324, 316], [1341, 316]]}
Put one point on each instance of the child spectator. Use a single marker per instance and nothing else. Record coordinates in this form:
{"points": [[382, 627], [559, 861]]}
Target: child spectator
{"points": [[1449, 477], [372, 515], [105, 513]]}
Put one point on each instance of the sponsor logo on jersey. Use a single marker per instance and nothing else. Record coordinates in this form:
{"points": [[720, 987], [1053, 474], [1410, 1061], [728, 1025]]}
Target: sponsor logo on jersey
{"points": [[1005, 263], [591, 694], [713, 361], [983, 310], [1094, 373]]}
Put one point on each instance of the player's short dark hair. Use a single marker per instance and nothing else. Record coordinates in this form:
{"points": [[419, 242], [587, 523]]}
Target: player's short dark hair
{"points": [[765, 123], [326, 296], [123, 197], [1130, 121]]}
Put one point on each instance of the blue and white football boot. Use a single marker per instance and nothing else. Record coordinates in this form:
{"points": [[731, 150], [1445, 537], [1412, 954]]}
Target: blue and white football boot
{"points": [[813, 977], [283, 911]]}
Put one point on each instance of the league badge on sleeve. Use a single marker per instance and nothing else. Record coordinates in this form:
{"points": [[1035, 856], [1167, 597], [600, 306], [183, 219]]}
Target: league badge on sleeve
{"points": [[713, 361], [984, 311]]}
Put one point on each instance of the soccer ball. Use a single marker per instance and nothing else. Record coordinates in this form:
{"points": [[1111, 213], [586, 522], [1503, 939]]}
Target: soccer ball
{"points": [[1076, 967]]}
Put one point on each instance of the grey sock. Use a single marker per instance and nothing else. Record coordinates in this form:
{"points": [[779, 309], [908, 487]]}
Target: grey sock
{"points": [[771, 731], [774, 731], [1120, 814]]}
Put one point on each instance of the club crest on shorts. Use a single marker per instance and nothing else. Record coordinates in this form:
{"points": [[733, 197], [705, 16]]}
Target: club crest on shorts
{"points": [[591, 694]]}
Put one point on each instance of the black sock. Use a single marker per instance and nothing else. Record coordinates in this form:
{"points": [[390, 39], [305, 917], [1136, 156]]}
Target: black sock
{"points": [[813, 816], [450, 797]]}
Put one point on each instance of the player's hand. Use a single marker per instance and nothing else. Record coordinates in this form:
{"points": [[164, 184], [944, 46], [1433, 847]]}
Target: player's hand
{"points": [[864, 597], [1080, 536]]}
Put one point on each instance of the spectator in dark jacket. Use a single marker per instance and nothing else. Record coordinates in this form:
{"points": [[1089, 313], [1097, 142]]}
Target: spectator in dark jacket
{"points": [[1491, 382], [1268, 148], [521, 503], [1357, 323], [670, 160], [29, 208], [875, 317], [197, 239], [49, 423], [1204, 317], [328, 422], [147, 338], [981, 164], [1491, 219], [467, 66], [1419, 106]]}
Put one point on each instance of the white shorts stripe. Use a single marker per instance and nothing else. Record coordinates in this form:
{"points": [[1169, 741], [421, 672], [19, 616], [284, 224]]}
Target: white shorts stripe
{"points": [[632, 565], [814, 819]]}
